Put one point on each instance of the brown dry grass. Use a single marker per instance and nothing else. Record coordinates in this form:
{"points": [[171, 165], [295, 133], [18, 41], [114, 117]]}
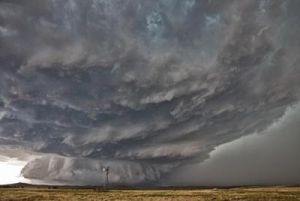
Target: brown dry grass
{"points": [[245, 194]]}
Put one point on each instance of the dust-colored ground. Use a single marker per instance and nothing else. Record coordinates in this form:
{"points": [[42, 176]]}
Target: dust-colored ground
{"points": [[255, 194]]}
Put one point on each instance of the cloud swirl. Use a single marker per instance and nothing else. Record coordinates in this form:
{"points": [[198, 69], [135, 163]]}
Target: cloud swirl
{"points": [[142, 86]]}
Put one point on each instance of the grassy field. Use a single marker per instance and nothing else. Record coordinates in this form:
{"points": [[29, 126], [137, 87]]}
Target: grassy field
{"points": [[255, 194]]}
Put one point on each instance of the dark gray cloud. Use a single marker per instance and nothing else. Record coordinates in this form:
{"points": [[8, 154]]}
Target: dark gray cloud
{"points": [[266, 158], [144, 86]]}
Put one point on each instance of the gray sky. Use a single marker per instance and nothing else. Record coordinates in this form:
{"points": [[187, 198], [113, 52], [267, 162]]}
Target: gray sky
{"points": [[266, 158], [154, 89]]}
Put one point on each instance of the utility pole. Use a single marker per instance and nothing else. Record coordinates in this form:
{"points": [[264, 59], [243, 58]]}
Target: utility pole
{"points": [[106, 170]]}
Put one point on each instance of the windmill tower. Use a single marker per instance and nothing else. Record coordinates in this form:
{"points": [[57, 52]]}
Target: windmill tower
{"points": [[106, 170]]}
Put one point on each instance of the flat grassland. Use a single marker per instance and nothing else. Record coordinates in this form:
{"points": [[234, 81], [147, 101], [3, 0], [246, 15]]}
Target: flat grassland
{"points": [[68, 194]]}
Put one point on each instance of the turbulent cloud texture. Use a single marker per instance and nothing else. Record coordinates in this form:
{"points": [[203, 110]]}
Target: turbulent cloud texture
{"points": [[142, 86]]}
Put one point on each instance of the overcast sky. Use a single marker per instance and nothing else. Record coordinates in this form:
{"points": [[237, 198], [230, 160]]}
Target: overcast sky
{"points": [[165, 92]]}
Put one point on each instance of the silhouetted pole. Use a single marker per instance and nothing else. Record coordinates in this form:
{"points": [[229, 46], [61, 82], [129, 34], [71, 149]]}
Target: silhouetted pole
{"points": [[106, 170]]}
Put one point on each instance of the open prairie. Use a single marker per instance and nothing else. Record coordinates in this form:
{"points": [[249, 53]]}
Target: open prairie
{"points": [[62, 194]]}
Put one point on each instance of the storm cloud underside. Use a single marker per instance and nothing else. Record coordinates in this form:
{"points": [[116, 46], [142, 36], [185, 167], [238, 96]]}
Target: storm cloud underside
{"points": [[142, 86]]}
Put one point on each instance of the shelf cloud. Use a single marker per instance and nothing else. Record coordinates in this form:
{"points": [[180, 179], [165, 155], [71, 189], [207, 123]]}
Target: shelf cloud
{"points": [[145, 87]]}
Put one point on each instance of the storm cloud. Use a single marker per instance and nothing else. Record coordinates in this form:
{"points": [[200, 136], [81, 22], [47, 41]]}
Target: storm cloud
{"points": [[266, 158], [145, 87]]}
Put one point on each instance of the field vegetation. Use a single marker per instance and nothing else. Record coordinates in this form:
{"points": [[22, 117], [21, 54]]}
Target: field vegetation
{"points": [[79, 194]]}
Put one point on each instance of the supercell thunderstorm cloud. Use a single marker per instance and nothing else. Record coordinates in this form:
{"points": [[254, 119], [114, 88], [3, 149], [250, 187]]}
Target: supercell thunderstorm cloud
{"points": [[144, 87]]}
